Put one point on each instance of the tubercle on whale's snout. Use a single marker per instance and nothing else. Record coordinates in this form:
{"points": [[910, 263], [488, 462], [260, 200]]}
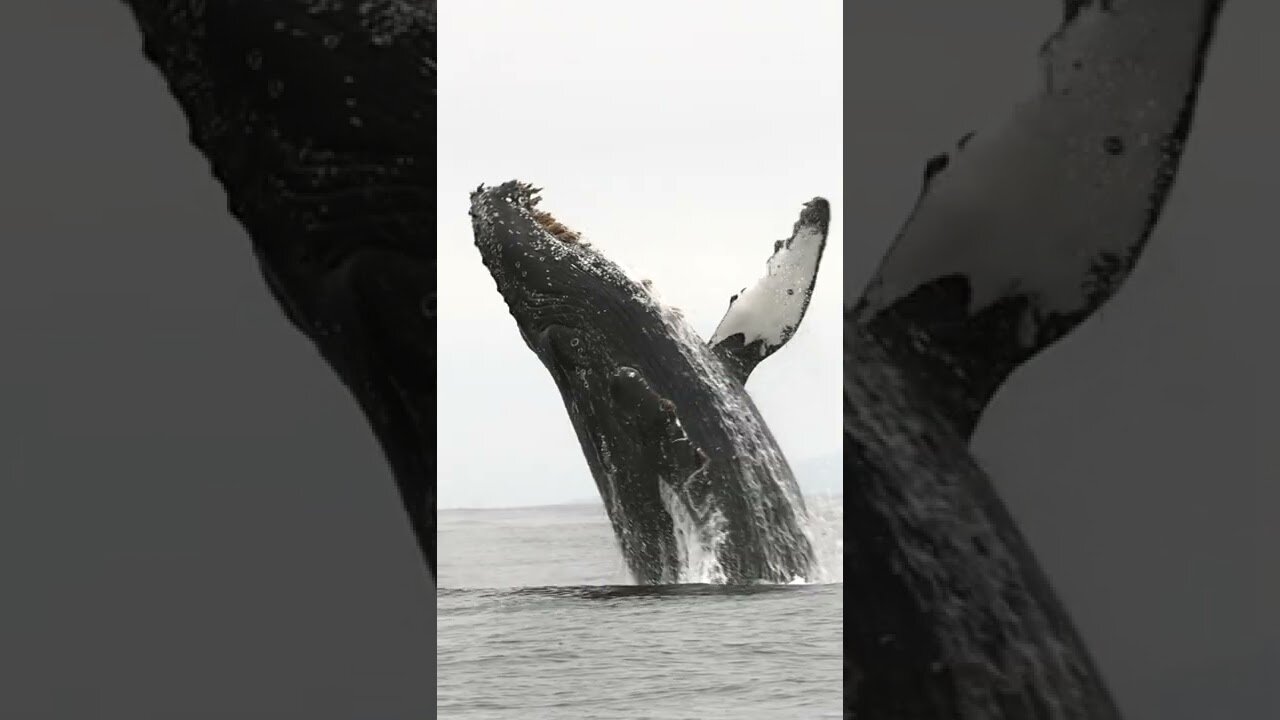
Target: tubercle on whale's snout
{"points": [[523, 198], [557, 229]]}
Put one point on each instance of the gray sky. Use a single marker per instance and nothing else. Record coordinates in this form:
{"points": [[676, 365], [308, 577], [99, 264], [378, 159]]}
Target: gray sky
{"points": [[1139, 455], [682, 140]]}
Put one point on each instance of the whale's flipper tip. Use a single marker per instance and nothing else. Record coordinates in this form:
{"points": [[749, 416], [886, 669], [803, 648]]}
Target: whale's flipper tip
{"points": [[1024, 231], [763, 317]]}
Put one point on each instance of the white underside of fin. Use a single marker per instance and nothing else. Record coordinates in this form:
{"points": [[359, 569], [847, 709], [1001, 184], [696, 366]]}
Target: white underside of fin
{"points": [[771, 309], [1030, 205]]}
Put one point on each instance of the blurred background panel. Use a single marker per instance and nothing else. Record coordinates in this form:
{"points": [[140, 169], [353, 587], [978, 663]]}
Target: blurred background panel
{"points": [[195, 520], [1138, 455]]}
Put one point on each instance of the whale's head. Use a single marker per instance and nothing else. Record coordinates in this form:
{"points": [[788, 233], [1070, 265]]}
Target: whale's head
{"points": [[589, 323], [575, 308]]}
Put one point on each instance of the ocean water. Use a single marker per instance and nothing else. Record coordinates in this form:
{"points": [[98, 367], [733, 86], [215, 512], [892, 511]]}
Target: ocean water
{"points": [[537, 618]]}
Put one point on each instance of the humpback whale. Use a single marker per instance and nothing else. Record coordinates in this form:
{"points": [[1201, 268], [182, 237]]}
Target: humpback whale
{"points": [[1020, 233], [680, 454], [318, 120]]}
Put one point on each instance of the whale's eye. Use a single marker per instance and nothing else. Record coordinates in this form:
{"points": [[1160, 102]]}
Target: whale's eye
{"points": [[566, 345]]}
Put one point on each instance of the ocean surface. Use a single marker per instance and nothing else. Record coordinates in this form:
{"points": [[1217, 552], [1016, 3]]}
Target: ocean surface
{"points": [[537, 617]]}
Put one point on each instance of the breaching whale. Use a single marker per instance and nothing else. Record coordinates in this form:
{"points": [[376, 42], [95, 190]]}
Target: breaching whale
{"points": [[318, 119], [1018, 236], [681, 457]]}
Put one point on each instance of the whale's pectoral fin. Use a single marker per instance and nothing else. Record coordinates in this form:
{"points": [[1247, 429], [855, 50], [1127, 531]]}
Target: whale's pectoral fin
{"points": [[1023, 231], [683, 464], [763, 317], [638, 402]]}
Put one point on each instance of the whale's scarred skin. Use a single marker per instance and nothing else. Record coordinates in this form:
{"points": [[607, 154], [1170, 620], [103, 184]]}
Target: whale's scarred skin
{"points": [[318, 119], [680, 454], [1018, 236]]}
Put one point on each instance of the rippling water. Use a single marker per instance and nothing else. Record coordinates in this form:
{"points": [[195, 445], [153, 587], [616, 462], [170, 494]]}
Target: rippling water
{"points": [[537, 618]]}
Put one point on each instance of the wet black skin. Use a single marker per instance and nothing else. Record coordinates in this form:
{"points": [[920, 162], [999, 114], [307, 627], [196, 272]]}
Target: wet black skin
{"points": [[318, 120], [643, 412]]}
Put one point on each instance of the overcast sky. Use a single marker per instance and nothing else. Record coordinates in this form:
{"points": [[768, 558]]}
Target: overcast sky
{"points": [[681, 139]]}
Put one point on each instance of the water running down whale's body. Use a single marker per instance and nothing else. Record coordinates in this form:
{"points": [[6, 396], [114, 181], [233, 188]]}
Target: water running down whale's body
{"points": [[691, 477]]}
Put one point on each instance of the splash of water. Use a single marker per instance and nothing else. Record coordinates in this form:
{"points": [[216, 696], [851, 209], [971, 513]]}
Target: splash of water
{"points": [[761, 462], [698, 544], [825, 521], [700, 532]]}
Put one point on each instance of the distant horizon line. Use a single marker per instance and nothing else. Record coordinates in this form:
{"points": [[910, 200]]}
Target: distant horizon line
{"points": [[582, 502]]}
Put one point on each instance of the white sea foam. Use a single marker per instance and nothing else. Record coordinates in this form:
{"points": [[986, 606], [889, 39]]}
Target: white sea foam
{"points": [[698, 543]]}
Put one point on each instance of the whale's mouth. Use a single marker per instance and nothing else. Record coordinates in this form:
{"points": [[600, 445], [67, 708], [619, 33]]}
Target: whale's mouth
{"points": [[537, 260], [554, 227], [545, 271], [521, 201], [529, 201]]}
